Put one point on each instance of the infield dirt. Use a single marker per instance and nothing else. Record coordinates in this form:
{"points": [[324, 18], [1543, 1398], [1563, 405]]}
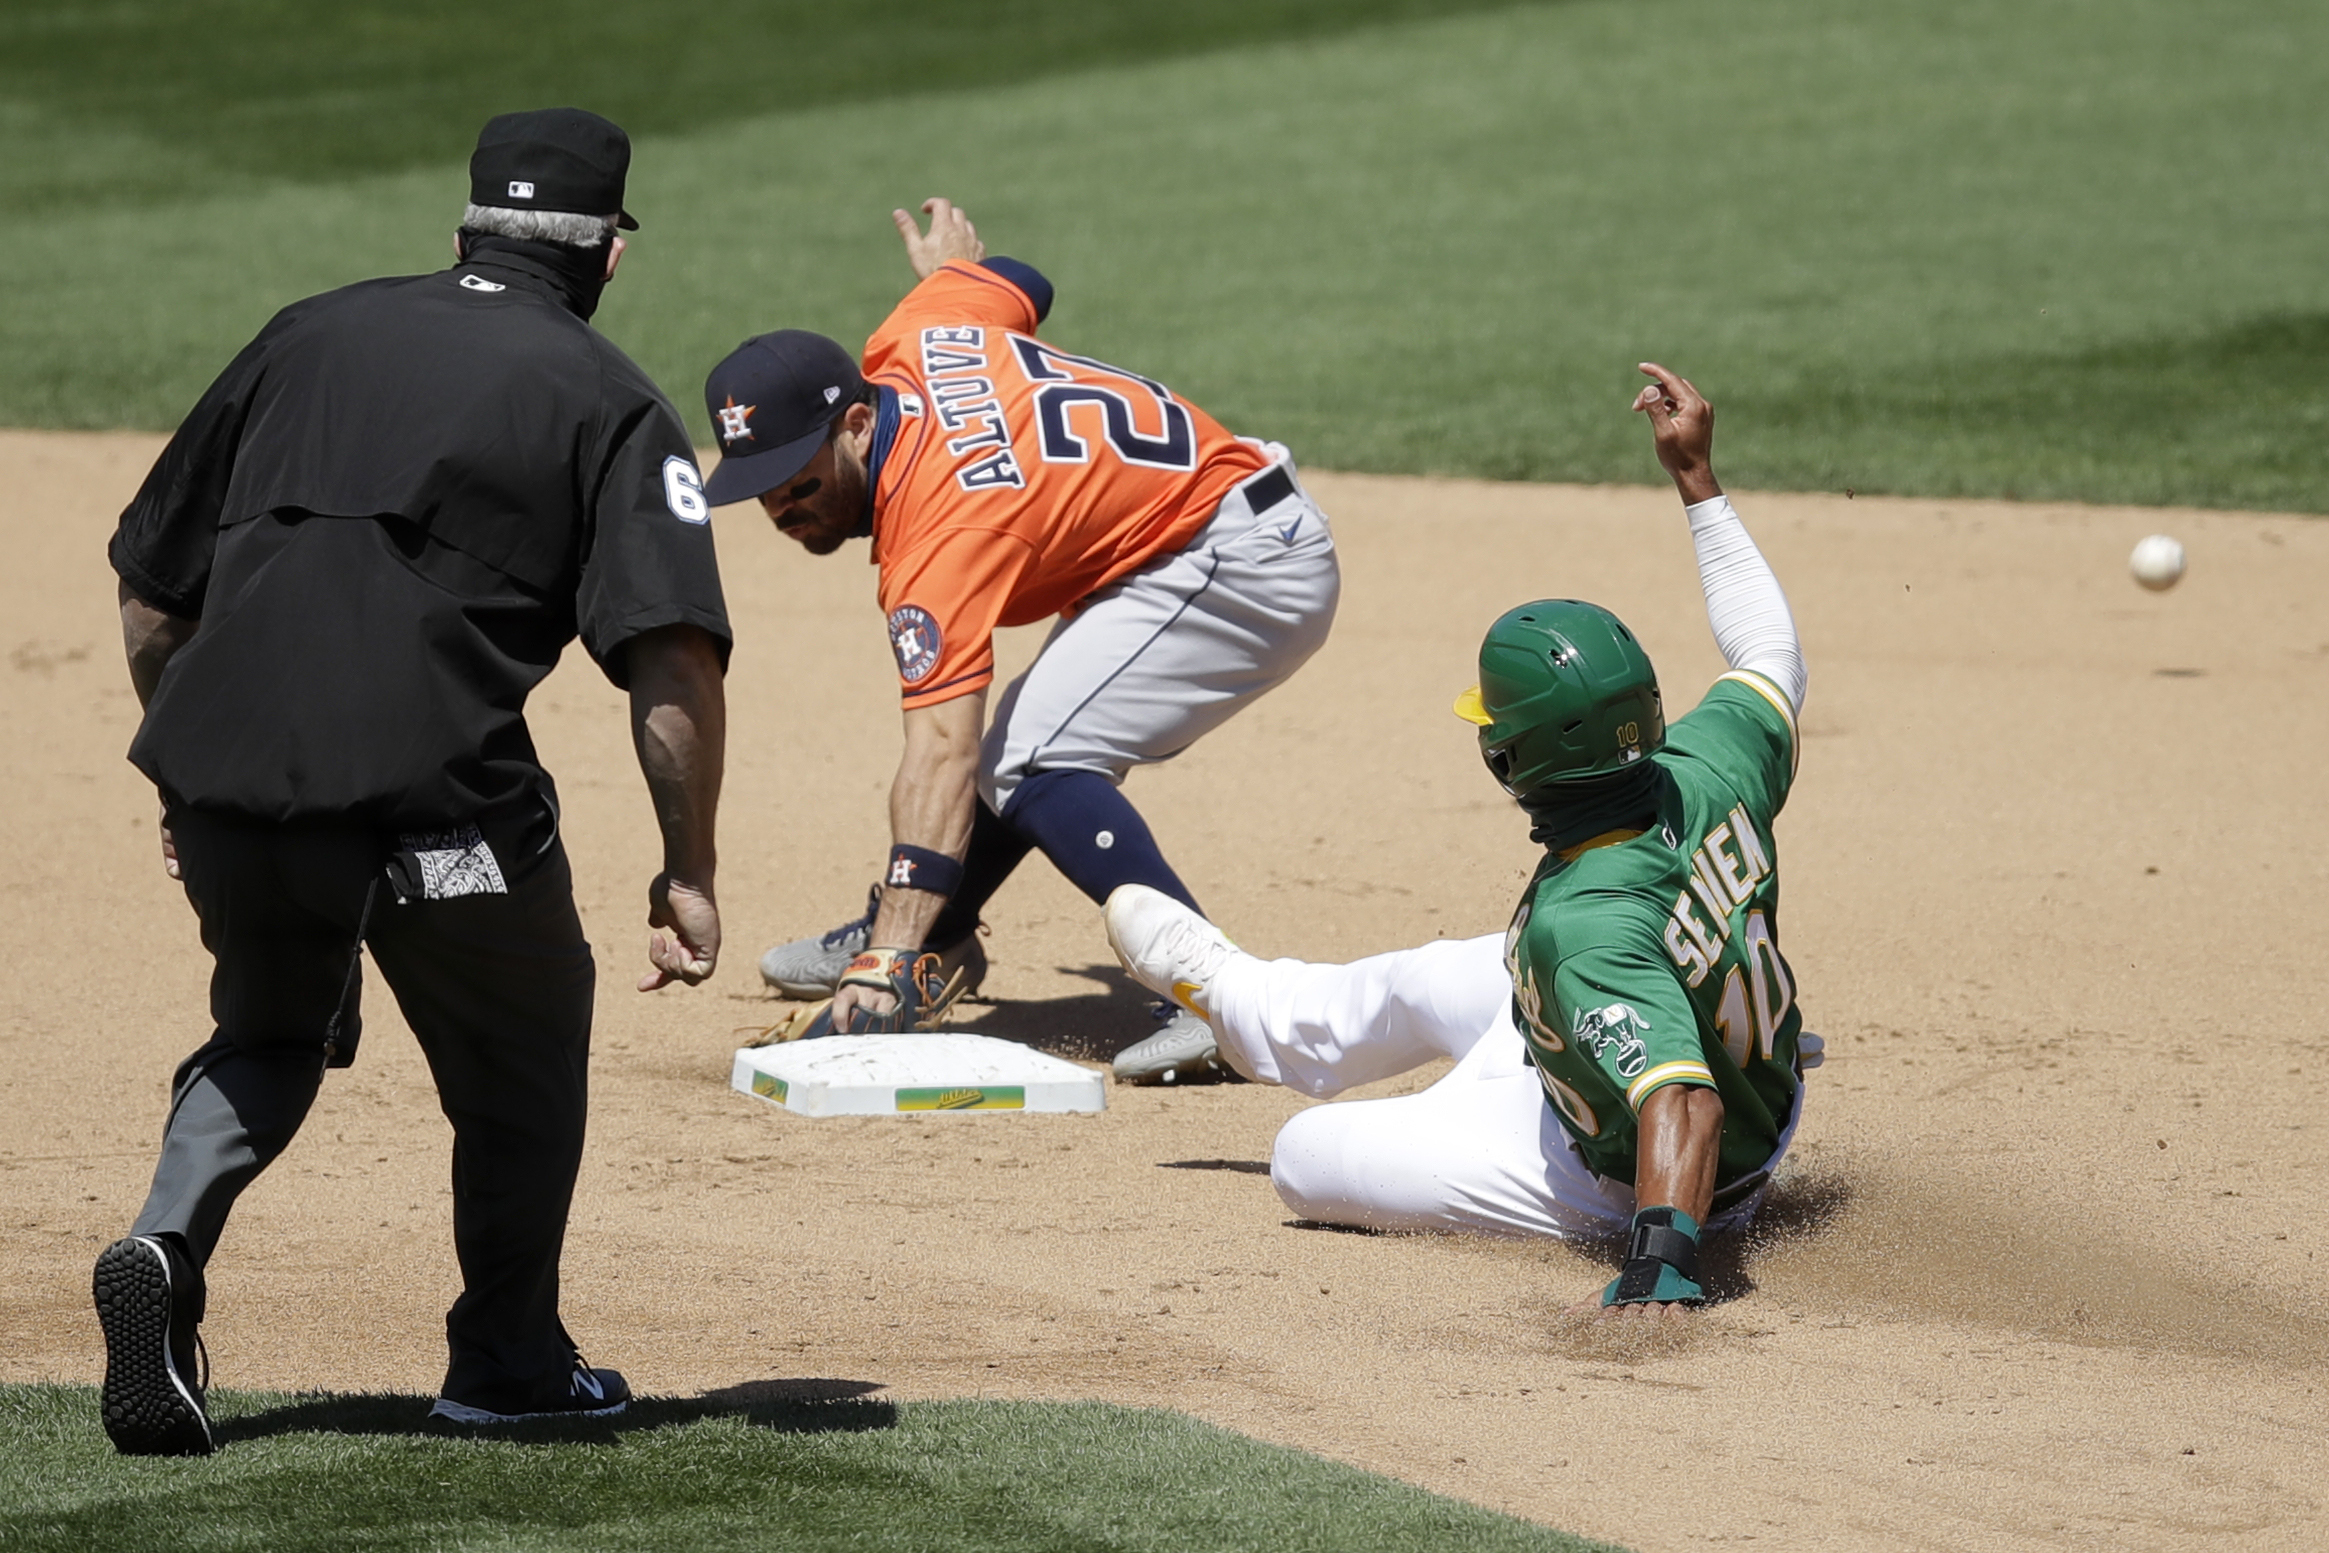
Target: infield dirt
{"points": [[2045, 1272]]}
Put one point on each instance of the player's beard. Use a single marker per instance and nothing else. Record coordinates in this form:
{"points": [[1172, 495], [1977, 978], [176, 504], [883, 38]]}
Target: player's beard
{"points": [[838, 509]]}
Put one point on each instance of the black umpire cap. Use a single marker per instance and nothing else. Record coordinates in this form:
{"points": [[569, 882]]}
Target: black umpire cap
{"points": [[771, 400], [563, 159]]}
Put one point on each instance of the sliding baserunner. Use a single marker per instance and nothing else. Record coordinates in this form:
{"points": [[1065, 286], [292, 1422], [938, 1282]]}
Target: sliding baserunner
{"points": [[1628, 1053]]}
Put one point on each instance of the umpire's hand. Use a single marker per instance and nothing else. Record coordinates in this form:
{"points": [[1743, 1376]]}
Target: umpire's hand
{"points": [[692, 948]]}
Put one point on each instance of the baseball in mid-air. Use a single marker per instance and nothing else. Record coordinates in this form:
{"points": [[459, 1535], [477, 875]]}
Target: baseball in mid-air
{"points": [[2157, 562]]}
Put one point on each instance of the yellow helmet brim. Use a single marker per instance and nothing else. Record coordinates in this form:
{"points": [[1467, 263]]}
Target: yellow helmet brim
{"points": [[1470, 708]]}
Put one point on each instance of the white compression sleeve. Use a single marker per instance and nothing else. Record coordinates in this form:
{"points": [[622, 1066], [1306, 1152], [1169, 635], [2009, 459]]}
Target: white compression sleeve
{"points": [[1744, 603]]}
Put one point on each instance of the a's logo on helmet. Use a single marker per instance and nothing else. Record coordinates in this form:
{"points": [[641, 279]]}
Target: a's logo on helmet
{"points": [[735, 420], [915, 639]]}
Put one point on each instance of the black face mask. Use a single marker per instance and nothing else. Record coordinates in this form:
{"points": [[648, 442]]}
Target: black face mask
{"points": [[1565, 813], [577, 274]]}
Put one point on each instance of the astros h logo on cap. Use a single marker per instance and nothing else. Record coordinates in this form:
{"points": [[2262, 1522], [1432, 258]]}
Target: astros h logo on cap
{"points": [[735, 421], [772, 399]]}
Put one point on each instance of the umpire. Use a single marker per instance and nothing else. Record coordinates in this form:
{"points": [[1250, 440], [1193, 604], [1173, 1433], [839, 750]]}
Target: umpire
{"points": [[366, 544]]}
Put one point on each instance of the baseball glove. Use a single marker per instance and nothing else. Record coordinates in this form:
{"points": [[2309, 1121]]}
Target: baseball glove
{"points": [[924, 1001]]}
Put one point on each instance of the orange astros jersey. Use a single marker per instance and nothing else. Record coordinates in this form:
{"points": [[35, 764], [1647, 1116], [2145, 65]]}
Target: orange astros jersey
{"points": [[1021, 479]]}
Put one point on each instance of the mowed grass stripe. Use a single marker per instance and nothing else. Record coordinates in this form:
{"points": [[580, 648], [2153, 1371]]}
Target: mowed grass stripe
{"points": [[293, 89], [1984, 248], [353, 1472]]}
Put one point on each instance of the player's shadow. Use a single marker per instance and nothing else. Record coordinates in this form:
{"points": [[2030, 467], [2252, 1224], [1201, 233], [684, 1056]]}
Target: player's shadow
{"points": [[1798, 1207], [810, 1405], [1084, 1027]]}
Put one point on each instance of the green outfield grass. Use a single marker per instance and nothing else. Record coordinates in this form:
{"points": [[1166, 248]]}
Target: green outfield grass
{"points": [[338, 1473], [2059, 248]]}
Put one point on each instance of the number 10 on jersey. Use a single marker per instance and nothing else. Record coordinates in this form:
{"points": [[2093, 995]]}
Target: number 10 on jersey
{"points": [[1756, 995]]}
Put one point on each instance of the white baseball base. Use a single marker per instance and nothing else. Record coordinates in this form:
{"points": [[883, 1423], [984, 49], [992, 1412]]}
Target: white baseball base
{"points": [[900, 1075]]}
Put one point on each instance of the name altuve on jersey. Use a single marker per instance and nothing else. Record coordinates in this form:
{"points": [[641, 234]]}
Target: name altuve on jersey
{"points": [[954, 368]]}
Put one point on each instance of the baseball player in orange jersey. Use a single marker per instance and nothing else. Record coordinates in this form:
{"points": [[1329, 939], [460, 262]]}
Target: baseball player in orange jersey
{"points": [[1004, 481]]}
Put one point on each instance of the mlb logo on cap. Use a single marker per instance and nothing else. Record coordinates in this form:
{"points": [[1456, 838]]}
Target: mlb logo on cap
{"points": [[552, 159]]}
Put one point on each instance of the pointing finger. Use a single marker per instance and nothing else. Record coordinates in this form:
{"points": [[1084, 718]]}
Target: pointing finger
{"points": [[659, 976], [673, 961]]}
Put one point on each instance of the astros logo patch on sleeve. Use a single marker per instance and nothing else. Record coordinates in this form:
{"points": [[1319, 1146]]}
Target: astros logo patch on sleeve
{"points": [[914, 638]]}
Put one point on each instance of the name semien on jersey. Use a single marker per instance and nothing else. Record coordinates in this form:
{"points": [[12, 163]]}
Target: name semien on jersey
{"points": [[1725, 869]]}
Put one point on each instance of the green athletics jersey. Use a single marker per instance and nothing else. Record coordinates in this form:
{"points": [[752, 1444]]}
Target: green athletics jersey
{"points": [[1656, 961]]}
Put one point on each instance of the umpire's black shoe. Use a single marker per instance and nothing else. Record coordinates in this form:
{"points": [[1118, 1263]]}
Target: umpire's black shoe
{"points": [[589, 1394], [147, 1299]]}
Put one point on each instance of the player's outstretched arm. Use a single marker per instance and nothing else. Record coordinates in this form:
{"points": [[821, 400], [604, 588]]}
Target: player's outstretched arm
{"points": [[1678, 1155], [951, 236], [931, 804], [1744, 602]]}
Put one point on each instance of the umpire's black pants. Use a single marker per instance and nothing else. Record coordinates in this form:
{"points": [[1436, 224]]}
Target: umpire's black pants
{"points": [[498, 990]]}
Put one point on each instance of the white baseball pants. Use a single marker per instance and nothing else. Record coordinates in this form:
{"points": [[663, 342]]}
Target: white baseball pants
{"points": [[1157, 659], [1480, 1150]]}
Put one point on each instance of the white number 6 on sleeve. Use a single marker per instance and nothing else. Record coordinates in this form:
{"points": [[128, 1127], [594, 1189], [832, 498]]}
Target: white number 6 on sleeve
{"points": [[683, 491]]}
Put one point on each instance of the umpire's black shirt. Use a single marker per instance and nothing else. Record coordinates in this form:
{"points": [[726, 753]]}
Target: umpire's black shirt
{"points": [[390, 513]]}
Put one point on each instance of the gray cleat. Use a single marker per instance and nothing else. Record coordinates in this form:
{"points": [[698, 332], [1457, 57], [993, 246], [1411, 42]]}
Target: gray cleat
{"points": [[811, 968], [1183, 1050]]}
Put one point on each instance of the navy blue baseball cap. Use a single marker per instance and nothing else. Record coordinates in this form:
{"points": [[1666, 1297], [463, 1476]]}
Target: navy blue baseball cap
{"points": [[565, 159], [771, 400]]}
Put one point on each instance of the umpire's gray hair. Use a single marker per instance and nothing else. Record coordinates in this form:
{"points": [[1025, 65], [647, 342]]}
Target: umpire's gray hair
{"points": [[539, 226]]}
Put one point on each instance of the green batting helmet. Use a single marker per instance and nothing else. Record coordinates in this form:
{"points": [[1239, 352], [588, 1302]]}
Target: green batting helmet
{"points": [[1565, 692]]}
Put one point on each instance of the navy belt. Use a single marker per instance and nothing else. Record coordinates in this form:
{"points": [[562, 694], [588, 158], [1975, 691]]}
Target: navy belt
{"points": [[1265, 490]]}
